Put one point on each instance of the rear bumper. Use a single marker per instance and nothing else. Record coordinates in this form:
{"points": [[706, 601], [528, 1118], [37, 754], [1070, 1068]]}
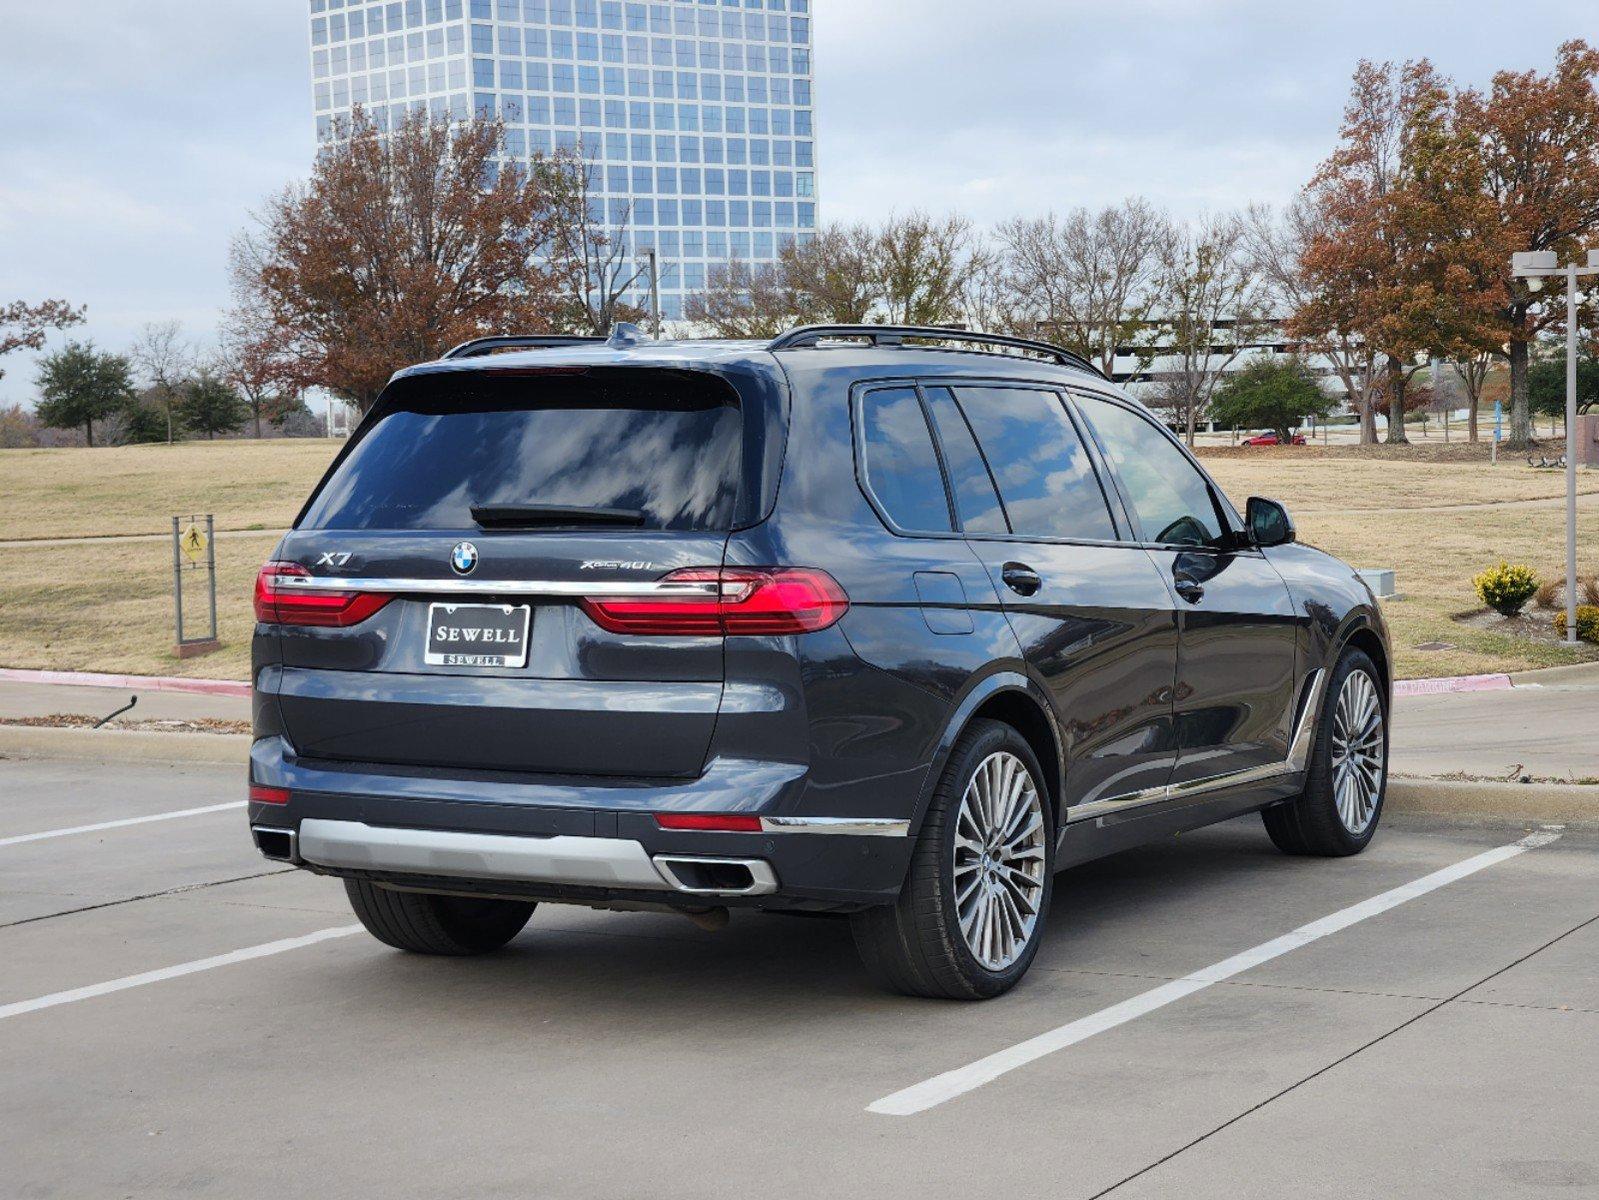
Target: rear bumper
{"points": [[577, 841]]}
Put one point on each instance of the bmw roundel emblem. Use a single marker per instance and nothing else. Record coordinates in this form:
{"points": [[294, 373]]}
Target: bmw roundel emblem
{"points": [[463, 558]]}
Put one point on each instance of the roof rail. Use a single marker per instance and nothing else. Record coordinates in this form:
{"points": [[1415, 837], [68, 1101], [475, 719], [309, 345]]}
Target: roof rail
{"points": [[478, 347], [896, 335]]}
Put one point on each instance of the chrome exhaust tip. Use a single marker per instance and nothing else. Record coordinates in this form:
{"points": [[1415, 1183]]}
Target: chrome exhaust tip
{"points": [[277, 844], [717, 876]]}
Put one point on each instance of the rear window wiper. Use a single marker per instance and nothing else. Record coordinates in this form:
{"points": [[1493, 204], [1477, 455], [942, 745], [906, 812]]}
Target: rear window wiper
{"points": [[545, 516]]}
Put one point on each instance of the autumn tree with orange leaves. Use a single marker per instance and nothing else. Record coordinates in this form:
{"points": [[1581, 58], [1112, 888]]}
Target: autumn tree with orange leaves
{"points": [[1538, 139], [1387, 262], [402, 244]]}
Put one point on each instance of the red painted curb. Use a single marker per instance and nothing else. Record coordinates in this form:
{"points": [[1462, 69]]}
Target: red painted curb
{"points": [[141, 683], [1460, 683]]}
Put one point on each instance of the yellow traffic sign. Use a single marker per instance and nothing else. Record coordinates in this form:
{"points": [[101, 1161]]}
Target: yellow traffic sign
{"points": [[192, 542]]}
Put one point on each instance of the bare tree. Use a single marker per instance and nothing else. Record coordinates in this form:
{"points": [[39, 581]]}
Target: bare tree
{"points": [[832, 275], [252, 358], [589, 257], [1212, 308], [742, 300], [1089, 276], [1276, 245], [923, 265], [166, 361], [1473, 371]]}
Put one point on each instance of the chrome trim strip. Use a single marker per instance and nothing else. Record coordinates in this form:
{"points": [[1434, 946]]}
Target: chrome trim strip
{"points": [[856, 826], [763, 880], [583, 861], [1299, 749], [501, 587]]}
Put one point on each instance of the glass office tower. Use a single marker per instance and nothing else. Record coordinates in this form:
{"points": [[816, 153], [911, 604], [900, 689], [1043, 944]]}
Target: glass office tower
{"points": [[695, 116]]}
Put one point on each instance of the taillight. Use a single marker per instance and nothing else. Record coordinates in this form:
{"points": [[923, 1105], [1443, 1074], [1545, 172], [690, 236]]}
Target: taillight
{"points": [[753, 602], [261, 794], [711, 822], [278, 605]]}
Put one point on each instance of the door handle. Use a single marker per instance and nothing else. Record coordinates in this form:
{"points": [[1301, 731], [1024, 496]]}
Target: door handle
{"points": [[1021, 578], [1190, 590]]}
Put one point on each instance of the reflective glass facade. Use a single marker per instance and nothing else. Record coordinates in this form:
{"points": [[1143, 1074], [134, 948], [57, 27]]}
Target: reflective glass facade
{"points": [[695, 116]]}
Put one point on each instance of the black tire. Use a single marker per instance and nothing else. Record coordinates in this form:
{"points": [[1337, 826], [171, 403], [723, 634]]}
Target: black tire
{"points": [[424, 923], [1309, 824], [915, 945]]}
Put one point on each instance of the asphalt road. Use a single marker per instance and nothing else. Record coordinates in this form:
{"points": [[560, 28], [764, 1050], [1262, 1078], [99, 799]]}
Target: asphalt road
{"points": [[179, 1017]]}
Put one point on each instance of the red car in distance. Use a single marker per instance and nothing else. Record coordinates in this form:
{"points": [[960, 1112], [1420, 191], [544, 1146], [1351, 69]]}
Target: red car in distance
{"points": [[1271, 439]]}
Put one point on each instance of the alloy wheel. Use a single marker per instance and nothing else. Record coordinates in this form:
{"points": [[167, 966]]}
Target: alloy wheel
{"points": [[1358, 758], [999, 860]]}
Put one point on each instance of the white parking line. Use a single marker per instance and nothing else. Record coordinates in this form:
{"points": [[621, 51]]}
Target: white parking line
{"points": [[166, 816], [941, 1088], [188, 968]]}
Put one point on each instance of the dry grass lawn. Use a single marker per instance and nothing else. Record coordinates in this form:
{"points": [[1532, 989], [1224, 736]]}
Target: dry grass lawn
{"points": [[137, 489], [108, 607]]}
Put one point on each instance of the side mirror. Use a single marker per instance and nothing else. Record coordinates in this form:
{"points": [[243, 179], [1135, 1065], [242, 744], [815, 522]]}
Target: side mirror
{"points": [[1269, 522]]}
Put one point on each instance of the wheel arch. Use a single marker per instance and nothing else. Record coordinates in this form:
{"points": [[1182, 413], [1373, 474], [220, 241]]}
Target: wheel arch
{"points": [[1015, 700]]}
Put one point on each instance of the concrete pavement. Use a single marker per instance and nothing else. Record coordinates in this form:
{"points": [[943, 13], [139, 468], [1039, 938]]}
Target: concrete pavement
{"points": [[1439, 1048]]}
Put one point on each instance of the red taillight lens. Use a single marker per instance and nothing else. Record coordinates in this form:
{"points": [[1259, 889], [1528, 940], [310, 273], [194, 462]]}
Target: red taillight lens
{"points": [[767, 601], [283, 606], [713, 822], [260, 794]]}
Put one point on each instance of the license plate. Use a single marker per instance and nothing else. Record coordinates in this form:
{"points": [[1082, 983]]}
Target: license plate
{"points": [[478, 635]]}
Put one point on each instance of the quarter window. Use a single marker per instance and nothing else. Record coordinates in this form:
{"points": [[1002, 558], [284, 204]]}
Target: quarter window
{"points": [[900, 464], [1170, 498], [1043, 472]]}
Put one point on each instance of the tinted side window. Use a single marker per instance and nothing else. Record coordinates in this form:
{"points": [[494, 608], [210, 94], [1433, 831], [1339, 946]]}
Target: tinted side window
{"points": [[900, 465], [979, 506], [1044, 474], [1170, 498]]}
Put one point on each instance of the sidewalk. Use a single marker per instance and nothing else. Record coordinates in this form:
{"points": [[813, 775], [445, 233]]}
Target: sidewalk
{"points": [[1545, 726]]}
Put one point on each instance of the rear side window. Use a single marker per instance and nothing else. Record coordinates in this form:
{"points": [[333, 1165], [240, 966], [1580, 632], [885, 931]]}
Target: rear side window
{"points": [[899, 462], [980, 510], [669, 448], [1044, 474]]}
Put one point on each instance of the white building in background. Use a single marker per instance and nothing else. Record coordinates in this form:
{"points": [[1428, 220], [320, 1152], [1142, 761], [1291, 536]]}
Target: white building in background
{"points": [[695, 116]]}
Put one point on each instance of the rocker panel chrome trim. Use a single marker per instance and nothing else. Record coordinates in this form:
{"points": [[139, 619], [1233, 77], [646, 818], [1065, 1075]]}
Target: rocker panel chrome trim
{"points": [[1299, 749]]}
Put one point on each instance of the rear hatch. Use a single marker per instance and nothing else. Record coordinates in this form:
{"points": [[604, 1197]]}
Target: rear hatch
{"points": [[490, 508]]}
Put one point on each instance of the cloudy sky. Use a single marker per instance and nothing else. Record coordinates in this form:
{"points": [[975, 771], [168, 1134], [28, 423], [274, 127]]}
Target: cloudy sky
{"points": [[137, 137]]}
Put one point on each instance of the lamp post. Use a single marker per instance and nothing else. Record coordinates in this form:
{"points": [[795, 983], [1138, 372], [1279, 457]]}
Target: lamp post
{"points": [[1533, 266]]}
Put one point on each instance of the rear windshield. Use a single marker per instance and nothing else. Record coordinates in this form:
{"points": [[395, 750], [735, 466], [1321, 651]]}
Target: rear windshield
{"points": [[668, 447]]}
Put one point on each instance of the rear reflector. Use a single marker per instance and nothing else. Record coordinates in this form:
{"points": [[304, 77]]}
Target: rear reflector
{"points": [[769, 601], [277, 605], [260, 794], [716, 822]]}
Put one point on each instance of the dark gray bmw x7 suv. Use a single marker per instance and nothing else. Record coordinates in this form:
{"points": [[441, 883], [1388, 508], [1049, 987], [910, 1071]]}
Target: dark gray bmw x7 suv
{"points": [[888, 623]]}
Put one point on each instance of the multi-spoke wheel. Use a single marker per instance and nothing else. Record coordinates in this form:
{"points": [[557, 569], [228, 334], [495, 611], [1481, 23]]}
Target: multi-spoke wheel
{"points": [[1338, 811], [968, 920], [1359, 752], [999, 860]]}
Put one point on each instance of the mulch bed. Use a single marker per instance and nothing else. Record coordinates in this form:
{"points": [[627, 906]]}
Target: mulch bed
{"points": [[77, 721]]}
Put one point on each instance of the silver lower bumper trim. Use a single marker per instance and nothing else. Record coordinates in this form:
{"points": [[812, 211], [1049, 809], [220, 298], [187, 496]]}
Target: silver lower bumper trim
{"points": [[581, 861], [578, 861]]}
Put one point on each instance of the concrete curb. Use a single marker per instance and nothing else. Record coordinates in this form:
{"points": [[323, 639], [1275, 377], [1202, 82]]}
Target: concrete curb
{"points": [[141, 683], [1525, 801], [124, 745]]}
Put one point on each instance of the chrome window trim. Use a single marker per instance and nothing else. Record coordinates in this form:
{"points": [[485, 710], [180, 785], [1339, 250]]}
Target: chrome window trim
{"points": [[1299, 748], [502, 587], [854, 826]]}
